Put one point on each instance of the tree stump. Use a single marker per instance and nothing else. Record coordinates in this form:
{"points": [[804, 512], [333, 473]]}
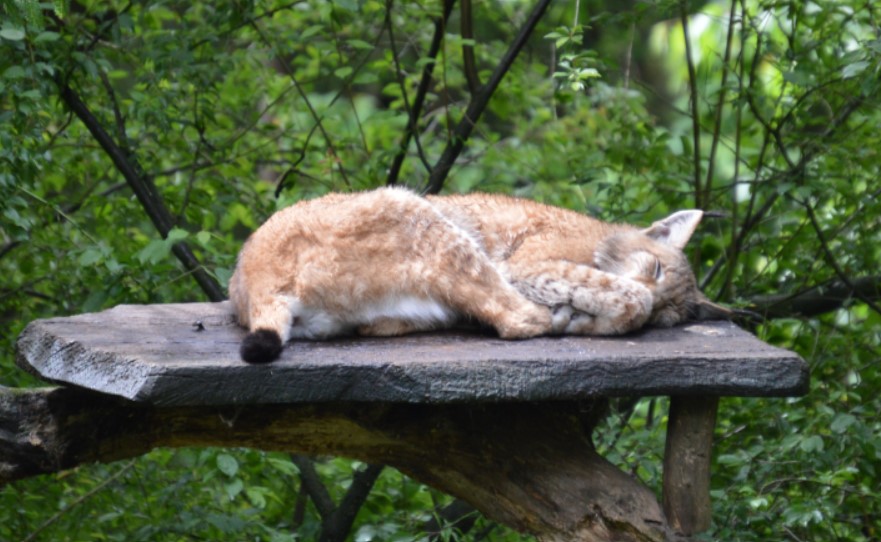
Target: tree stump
{"points": [[503, 425]]}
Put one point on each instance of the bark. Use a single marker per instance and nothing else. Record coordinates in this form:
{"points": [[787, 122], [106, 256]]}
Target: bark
{"points": [[530, 466], [505, 426]]}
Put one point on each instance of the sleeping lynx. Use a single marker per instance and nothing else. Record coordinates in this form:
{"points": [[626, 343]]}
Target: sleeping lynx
{"points": [[389, 262]]}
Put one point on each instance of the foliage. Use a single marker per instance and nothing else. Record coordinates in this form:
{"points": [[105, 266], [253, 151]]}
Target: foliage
{"points": [[233, 108]]}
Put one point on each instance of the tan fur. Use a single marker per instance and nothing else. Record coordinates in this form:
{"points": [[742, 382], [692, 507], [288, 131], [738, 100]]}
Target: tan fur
{"points": [[389, 262]]}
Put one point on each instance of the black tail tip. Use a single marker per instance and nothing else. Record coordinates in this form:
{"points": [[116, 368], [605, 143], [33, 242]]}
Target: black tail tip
{"points": [[261, 346]]}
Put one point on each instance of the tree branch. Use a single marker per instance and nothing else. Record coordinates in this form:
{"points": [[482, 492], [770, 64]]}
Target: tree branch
{"points": [[336, 527], [833, 263], [311, 483], [479, 102], [79, 500], [819, 299], [315, 116], [440, 26], [693, 102], [143, 188], [280, 184], [458, 515], [720, 104], [468, 63], [412, 116]]}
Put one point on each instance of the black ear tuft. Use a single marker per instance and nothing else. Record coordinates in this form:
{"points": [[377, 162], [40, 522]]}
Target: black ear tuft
{"points": [[261, 346]]}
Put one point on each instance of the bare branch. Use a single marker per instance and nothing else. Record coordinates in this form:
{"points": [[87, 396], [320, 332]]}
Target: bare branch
{"points": [[412, 119], [720, 104], [336, 520], [833, 263], [819, 299], [693, 102], [79, 500], [315, 116], [479, 102], [336, 527], [440, 26], [143, 188], [311, 483], [468, 62], [346, 85]]}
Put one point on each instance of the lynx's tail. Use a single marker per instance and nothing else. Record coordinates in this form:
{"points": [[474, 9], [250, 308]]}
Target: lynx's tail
{"points": [[261, 346], [268, 319]]}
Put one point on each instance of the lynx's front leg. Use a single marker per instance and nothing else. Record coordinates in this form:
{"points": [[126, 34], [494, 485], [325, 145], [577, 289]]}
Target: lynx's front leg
{"points": [[585, 300]]}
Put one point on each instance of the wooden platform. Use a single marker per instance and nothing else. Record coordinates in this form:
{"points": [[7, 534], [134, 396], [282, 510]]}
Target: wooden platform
{"points": [[187, 354], [505, 425]]}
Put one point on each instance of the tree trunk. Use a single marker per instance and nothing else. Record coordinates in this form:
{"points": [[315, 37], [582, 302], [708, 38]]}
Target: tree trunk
{"points": [[531, 466]]}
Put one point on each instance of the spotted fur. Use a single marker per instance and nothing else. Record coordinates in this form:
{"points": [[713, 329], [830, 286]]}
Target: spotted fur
{"points": [[389, 262]]}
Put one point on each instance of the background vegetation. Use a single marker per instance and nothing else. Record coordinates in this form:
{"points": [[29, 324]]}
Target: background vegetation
{"points": [[140, 141]]}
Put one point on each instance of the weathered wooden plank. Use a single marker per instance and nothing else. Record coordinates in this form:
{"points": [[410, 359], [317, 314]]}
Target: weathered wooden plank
{"points": [[187, 354]]}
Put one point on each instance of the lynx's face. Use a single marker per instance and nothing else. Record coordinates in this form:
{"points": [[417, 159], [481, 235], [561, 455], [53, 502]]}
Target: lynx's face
{"points": [[661, 268], [654, 257]]}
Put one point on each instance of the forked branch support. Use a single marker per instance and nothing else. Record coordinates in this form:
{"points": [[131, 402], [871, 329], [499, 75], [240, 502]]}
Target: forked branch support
{"points": [[506, 426]]}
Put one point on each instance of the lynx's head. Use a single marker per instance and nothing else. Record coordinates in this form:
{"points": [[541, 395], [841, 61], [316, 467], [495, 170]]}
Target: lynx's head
{"points": [[654, 257]]}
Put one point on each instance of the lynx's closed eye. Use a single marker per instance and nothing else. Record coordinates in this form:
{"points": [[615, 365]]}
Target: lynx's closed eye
{"points": [[659, 270], [646, 266]]}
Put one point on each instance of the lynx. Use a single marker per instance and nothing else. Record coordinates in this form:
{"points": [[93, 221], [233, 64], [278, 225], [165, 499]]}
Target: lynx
{"points": [[389, 262]]}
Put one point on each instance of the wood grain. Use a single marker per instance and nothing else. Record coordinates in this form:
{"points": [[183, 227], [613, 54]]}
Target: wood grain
{"points": [[187, 354]]}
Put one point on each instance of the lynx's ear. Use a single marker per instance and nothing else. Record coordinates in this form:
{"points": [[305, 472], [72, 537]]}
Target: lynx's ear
{"points": [[676, 229]]}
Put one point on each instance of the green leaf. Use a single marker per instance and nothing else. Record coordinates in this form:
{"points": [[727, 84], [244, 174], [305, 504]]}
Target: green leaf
{"points": [[359, 44], [813, 443], [284, 466], [90, 257], [227, 464], [256, 496], [731, 459], [842, 422], [154, 252], [12, 33], [14, 72], [233, 488], [758, 502], [854, 69], [47, 36], [797, 77], [177, 235]]}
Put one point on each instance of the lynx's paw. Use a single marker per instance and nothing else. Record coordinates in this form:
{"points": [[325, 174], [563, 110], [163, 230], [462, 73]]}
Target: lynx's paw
{"points": [[532, 321], [624, 307]]}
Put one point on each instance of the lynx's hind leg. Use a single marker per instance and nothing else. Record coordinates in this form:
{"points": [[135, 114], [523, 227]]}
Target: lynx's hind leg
{"points": [[454, 269], [393, 327]]}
